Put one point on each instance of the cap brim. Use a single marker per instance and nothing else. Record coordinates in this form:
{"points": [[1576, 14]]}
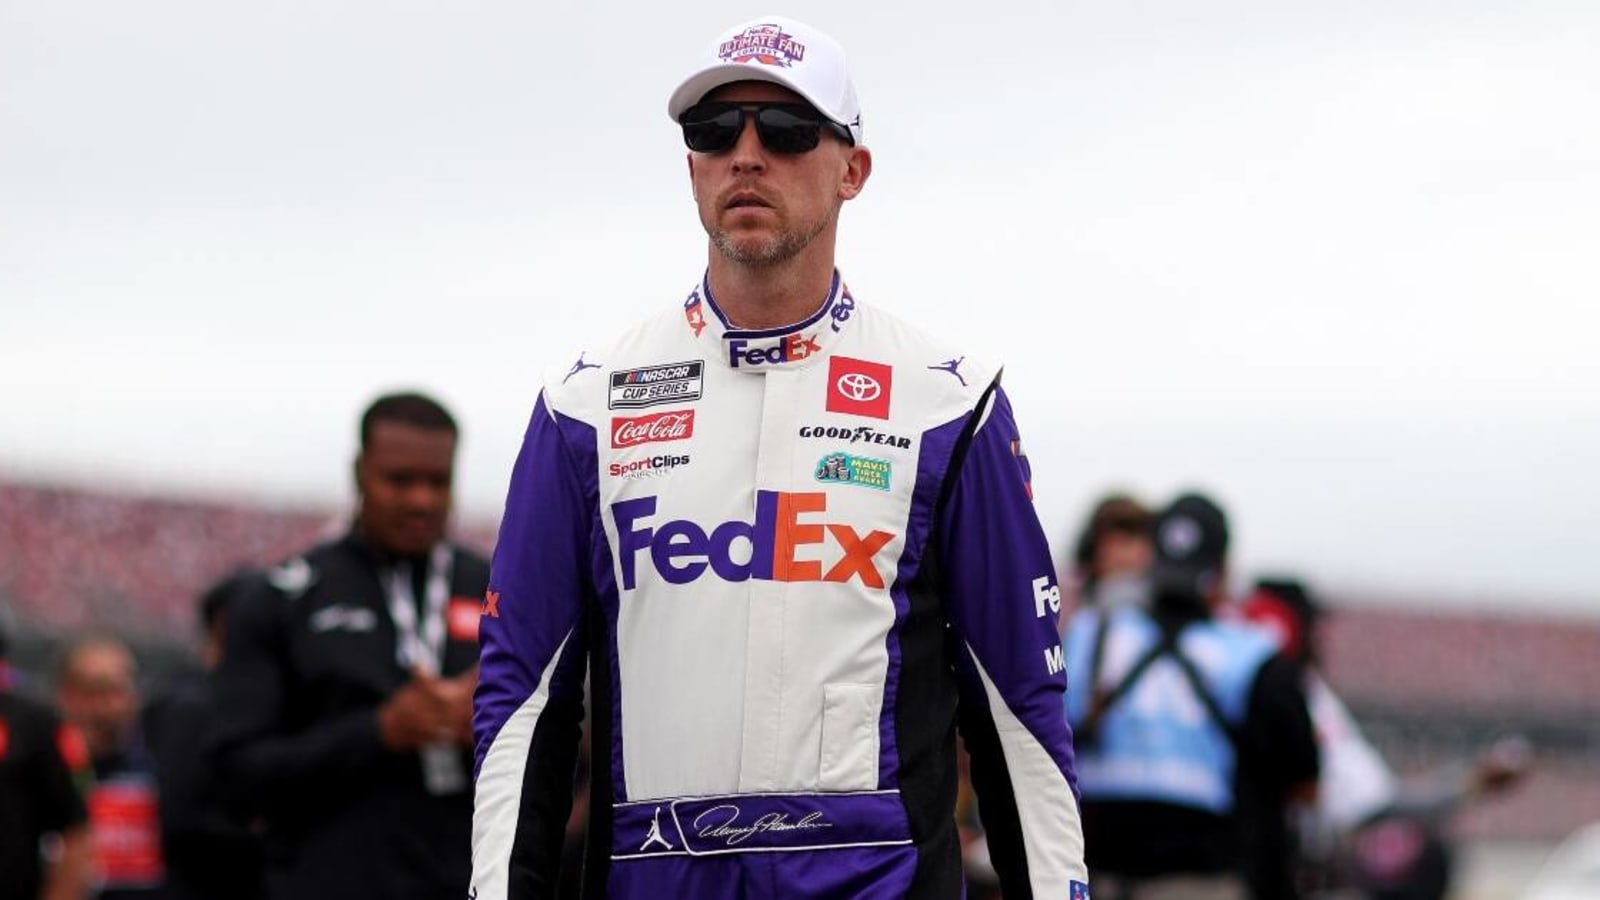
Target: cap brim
{"points": [[703, 82]]}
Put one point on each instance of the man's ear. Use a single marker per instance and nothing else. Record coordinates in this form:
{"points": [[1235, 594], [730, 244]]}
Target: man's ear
{"points": [[693, 191], [858, 168], [355, 472]]}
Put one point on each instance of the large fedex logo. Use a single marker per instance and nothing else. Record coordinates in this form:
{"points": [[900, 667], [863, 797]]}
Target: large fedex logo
{"points": [[784, 524]]}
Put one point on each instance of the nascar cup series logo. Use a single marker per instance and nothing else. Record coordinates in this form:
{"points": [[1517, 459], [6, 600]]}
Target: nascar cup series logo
{"points": [[765, 44]]}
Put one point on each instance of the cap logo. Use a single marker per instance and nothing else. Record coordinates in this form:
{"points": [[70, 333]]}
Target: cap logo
{"points": [[765, 44], [1180, 538]]}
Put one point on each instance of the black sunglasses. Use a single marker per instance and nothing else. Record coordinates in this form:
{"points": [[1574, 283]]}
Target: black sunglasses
{"points": [[714, 127]]}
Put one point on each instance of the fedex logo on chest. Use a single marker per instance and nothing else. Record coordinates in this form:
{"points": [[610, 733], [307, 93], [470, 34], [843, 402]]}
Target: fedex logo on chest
{"points": [[775, 546]]}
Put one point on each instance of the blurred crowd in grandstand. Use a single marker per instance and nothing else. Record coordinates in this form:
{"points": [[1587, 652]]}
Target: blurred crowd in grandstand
{"points": [[1431, 690]]}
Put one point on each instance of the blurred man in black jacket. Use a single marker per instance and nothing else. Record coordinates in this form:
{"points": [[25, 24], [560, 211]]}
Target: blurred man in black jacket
{"points": [[344, 697]]}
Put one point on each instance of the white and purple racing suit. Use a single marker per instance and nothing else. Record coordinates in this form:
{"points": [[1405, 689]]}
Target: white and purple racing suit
{"points": [[784, 565]]}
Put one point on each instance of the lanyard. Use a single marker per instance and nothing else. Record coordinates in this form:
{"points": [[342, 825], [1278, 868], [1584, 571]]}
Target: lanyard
{"points": [[420, 646]]}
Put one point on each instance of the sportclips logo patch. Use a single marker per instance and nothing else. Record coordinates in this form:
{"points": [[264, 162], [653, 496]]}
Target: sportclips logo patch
{"points": [[765, 44], [859, 388], [652, 386], [769, 548], [643, 468], [631, 431]]}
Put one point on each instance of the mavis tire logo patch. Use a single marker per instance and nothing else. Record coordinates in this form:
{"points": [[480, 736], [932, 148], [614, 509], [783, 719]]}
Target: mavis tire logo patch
{"points": [[644, 468], [859, 388], [631, 431], [652, 386], [842, 468]]}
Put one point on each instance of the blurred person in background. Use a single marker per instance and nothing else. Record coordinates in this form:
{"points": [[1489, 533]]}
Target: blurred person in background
{"points": [[1356, 784], [1369, 831], [1185, 726], [97, 688], [210, 852], [1112, 554], [45, 845], [344, 695]]}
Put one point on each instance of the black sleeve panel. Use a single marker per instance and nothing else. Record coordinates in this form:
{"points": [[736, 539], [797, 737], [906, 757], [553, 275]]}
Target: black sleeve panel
{"points": [[546, 801], [997, 804]]}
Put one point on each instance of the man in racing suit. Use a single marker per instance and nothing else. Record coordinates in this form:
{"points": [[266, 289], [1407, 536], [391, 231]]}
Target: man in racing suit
{"points": [[788, 542]]}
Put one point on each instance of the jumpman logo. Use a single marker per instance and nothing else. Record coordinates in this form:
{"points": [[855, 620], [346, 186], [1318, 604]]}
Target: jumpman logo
{"points": [[580, 365], [654, 837], [951, 365]]}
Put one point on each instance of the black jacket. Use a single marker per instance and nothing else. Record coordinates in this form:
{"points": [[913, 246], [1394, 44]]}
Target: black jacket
{"points": [[38, 795], [308, 658]]}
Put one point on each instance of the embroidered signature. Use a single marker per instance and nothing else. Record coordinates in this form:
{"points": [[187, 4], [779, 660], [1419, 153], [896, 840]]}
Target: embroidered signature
{"points": [[723, 824]]}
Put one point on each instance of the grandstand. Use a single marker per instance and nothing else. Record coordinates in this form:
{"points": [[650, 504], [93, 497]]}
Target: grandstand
{"points": [[1431, 688], [72, 559]]}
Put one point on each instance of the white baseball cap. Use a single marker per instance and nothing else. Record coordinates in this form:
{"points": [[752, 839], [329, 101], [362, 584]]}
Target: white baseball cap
{"points": [[784, 52]]}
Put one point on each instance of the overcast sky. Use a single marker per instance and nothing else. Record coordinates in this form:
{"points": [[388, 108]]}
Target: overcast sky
{"points": [[1337, 263]]}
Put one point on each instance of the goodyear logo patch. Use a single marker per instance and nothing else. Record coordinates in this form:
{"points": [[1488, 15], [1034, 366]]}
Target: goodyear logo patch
{"points": [[842, 468]]}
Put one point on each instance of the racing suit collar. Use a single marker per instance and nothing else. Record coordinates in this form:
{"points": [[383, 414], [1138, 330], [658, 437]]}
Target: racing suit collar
{"points": [[788, 346]]}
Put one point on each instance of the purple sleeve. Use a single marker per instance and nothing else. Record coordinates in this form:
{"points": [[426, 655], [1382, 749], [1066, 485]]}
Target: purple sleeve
{"points": [[1003, 603], [529, 703]]}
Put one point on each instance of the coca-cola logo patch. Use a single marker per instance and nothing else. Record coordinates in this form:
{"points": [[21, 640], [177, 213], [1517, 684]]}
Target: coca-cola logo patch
{"points": [[631, 431]]}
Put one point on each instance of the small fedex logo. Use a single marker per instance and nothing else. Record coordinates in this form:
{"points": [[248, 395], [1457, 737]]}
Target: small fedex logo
{"points": [[790, 348], [858, 387], [766, 44]]}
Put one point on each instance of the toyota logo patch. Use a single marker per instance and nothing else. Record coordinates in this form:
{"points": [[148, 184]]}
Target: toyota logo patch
{"points": [[859, 388]]}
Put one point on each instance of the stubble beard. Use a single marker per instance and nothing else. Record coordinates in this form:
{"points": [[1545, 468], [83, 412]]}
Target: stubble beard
{"points": [[766, 253]]}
